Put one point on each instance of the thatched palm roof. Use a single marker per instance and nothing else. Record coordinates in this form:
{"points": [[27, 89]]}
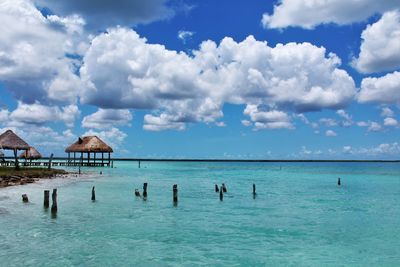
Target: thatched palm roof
{"points": [[31, 153], [9, 140], [89, 144]]}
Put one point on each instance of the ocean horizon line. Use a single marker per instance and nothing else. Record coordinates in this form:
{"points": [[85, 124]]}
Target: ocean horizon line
{"points": [[236, 160]]}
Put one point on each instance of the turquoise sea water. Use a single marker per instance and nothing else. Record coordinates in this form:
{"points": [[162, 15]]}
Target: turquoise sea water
{"points": [[300, 217]]}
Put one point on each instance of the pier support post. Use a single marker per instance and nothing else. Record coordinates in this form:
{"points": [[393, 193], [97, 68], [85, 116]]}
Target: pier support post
{"points": [[25, 198], [145, 190], [216, 188], [221, 195], [254, 189], [54, 202], [175, 193], [139, 164], [93, 194], [46, 201], [338, 182], [50, 160]]}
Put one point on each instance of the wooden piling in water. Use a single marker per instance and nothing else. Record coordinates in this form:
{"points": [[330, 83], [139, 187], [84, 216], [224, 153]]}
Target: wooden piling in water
{"points": [[221, 195], [254, 189], [54, 202], [25, 198], [46, 201], [137, 193], [139, 163], [338, 182], [175, 193], [224, 188], [145, 190], [93, 194], [216, 188]]}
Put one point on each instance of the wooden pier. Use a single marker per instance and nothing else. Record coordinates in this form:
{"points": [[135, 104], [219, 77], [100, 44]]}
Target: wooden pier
{"points": [[63, 163]]}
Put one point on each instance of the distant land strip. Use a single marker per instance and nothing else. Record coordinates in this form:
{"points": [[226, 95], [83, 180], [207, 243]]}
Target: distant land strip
{"points": [[235, 160]]}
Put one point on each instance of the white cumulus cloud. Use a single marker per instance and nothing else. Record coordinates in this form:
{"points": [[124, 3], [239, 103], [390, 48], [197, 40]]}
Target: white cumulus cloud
{"points": [[33, 49], [330, 133], [122, 70], [308, 14], [185, 35], [390, 122], [381, 45], [107, 118], [40, 114], [382, 90]]}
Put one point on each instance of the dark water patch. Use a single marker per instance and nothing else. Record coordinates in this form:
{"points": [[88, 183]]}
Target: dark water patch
{"points": [[4, 198], [4, 211]]}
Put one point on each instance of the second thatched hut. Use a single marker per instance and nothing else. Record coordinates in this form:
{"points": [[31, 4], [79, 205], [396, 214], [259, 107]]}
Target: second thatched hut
{"points": [[87, 146], [31, 154]]}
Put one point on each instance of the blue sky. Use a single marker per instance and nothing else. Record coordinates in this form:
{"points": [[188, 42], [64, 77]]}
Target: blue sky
{"points": [[204, 79]]}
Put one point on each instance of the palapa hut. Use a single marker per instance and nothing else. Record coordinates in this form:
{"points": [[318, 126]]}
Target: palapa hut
{"points": [[10, 141], [30, 154], [87, 145]]}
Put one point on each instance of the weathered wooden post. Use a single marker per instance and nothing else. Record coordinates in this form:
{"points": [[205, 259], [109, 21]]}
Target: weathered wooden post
{"points": [[224, 188], [54, 202], [93, 194], [50, 160], [145, 190], [254, 189], [175, 193], [79, 170], [46, 202], [338, 182], [221, 195], [16, 159], [25, 198], [216, 188], [139, 163], [137, 193]]}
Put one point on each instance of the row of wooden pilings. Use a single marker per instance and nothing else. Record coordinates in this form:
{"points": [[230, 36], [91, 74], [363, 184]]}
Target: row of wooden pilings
{"points": [[54, 208], [46, 201]]}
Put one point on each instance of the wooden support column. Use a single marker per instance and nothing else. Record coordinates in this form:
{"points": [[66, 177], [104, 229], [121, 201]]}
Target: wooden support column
{"points": [[94, 158], [25, 198], [50, 160], [88, 157], [102, 158], [93, 194], [54, 200], [175, 193], [46, 201], [74, 157], [16, 159], [145, 190]]}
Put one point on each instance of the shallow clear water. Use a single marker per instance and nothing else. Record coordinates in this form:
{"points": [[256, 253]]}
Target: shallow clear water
{"points": [[300, 217]]}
